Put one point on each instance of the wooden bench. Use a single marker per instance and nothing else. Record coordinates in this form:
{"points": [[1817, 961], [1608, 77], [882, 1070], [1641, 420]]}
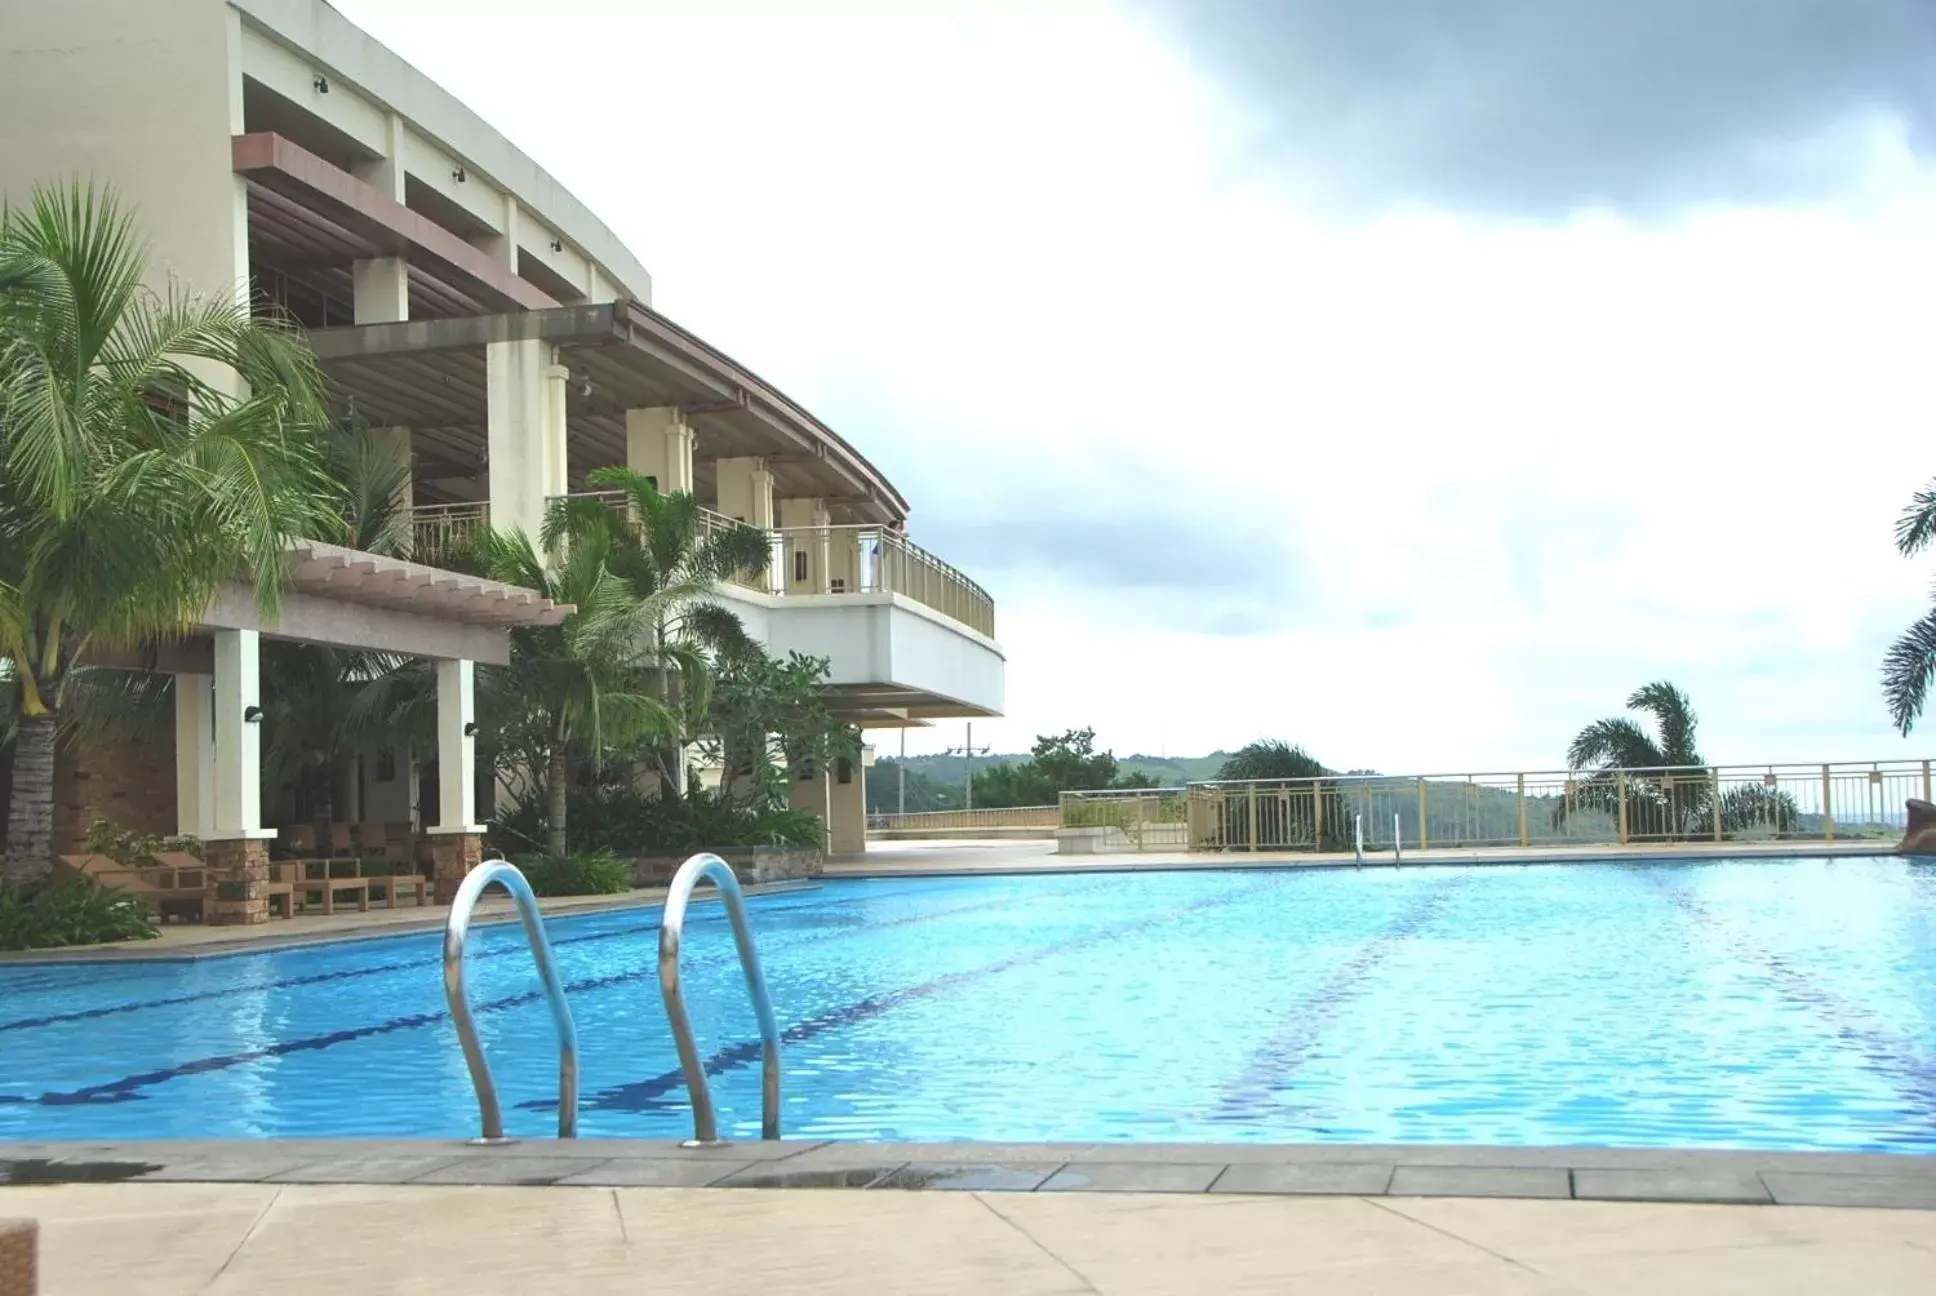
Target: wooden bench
{"points": [[330, 886], [155, 887]]}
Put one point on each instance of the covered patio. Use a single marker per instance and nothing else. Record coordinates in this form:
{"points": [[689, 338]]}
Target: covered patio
{"points": [[339, 598]]}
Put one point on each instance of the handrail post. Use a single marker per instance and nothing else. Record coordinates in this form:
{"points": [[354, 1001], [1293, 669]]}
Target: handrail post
{"points": [[1715, 773], [1926, 781], [671, 932], [1523, 839], [1424, 834], [1253, 816], [456, 930], [1828, 806], [1621, 779]]}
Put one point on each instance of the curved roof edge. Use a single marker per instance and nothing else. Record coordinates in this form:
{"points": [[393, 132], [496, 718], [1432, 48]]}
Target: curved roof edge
{"points": [[317, 29]]}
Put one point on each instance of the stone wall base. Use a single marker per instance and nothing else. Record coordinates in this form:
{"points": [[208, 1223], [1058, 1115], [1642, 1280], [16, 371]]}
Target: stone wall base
{"points": [[752, 865], [452, 855], [238, 873]]}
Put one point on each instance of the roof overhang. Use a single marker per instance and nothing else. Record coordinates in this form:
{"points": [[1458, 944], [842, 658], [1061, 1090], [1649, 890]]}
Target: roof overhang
{"points": [[373, 580], [430, 374]]}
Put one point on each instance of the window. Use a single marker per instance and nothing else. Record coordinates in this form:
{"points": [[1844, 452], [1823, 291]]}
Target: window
{"points": [[386, 765], [844, 770], [799, 564]]}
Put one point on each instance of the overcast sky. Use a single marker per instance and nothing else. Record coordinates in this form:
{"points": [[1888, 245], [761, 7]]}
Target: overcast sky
{"points": [[1407, 380]]}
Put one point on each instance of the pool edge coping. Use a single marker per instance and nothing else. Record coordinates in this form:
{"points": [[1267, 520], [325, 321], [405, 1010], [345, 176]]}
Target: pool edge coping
{"points": [[1885, 1180]]}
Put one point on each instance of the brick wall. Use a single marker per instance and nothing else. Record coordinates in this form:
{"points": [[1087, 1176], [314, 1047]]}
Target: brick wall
{"points": [[130, 785]]}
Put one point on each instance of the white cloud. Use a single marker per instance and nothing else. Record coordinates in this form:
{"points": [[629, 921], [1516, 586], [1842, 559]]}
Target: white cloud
{"points": [[1484, 478]]}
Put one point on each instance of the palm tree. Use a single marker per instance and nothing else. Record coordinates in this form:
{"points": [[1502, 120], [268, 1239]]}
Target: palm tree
{"points": [[1911, 661], [1606, 748], [133, 481], [584, 686], [661, 544], [1270, 758]]}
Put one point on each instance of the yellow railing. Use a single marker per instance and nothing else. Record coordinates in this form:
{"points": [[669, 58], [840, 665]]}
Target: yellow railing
{"points": [[992, 817], [1132, 819], [849, 559], [442, 533], [1831, 802]]}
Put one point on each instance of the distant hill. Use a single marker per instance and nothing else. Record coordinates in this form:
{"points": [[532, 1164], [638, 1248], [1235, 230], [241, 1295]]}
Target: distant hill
{"points": [[935, 782]]}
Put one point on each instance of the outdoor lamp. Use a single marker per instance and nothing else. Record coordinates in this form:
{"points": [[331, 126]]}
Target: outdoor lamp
{"points": [[251, 715]]}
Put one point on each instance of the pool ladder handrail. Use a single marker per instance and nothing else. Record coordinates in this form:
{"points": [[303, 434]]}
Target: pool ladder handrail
{"points": [[456, 929], [705, 1128]]}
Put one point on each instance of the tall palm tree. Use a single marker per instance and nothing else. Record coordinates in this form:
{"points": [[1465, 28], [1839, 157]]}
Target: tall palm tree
{"points": [[585, 686], [1607, 750], [133, 479], [1910, 663], [661, 544]]}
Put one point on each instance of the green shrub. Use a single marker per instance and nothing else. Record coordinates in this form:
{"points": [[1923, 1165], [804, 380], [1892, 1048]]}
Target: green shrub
{"points": [[71, 911], [132, 849], [618, 818], [586, 873]]}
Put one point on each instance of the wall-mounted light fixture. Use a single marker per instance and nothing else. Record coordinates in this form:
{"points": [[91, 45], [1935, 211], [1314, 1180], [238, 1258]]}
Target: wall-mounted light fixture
{"points": [[251, 715], [470, 728], [557, 245], [320, 83], [459, 176]]}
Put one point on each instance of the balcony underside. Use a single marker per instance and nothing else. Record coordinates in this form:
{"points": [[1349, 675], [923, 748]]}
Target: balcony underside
{"points": [[891, 661]]}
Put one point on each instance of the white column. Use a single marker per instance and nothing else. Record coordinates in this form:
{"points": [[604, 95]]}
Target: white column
{"points": [[745, 490], [456, 747], [381, 290], [238, 739], [194, 755], [805, 523], [659, 444], [525, 431]]}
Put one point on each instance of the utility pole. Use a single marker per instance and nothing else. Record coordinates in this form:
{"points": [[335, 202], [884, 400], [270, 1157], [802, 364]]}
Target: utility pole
{"points": [[968, 752]]}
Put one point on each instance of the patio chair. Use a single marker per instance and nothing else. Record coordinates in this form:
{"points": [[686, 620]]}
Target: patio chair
{"points": [[300, 839], [330, 886], [155, 887], [341, 841]]}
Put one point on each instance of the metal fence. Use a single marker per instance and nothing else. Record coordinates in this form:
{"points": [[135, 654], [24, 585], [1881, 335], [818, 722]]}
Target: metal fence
{"points": [[1127, 819], [1830, 802], [444, 533], [966, 820], [848, 559]]}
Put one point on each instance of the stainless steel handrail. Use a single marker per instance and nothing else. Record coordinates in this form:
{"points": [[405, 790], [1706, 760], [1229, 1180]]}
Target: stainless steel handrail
{"points": [[672, 927], [456, 928]]}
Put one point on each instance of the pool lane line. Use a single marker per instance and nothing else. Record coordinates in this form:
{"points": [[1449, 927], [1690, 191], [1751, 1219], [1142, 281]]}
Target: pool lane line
{"points": [[343, 974], [127, 1088], [1271, 1065], [1897, 1059], [651, 1095]]}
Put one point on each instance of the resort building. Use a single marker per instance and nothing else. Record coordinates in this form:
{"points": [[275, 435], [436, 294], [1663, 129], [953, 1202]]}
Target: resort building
{"points": [[500, 336]]}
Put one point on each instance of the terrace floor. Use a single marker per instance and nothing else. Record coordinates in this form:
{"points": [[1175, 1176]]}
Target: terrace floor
{"points": [[128, 1239]]}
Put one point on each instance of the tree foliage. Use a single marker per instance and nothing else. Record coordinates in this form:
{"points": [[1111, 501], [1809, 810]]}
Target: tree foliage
{"points": [[1058, 763], [153, 445], [1270, 758], [769, 723], [1910, 664]]}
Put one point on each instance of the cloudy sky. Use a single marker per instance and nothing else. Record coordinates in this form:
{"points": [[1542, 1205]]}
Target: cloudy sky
{"points": [[1404, 379]]}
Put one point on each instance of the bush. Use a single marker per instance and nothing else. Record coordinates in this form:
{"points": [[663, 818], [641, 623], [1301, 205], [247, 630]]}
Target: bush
{"points": [[589, 873], [618, 818], [71, 911]]}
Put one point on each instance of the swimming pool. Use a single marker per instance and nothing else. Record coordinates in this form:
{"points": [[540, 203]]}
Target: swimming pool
{"points": [[1713, 1004]]}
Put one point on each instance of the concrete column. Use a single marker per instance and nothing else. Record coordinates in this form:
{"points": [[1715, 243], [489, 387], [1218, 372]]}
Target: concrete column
{"points": [[745, 490], [386, 174], [194, 755], [659, 444], [525, 431], [805, 523], [382, 290], [847, 809], [456, 747], [815, 796], [238, 740], [394, 443]]}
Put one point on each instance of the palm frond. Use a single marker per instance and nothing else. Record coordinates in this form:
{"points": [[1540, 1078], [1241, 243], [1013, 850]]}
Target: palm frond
{"points": [[1614, 743], [1907, 670], [1917, 525]]}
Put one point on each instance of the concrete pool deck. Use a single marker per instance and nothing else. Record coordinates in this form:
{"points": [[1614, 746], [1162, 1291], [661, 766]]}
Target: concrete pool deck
{"points": [[290, 1216]]}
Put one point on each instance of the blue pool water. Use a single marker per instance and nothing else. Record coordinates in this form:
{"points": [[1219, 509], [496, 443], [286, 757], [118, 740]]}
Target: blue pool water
{"points": [[1717, 1004]]}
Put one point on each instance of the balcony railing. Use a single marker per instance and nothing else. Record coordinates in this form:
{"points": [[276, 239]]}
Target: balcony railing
{"points": [[1851, 801], [445, 533], [848, 559]]}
